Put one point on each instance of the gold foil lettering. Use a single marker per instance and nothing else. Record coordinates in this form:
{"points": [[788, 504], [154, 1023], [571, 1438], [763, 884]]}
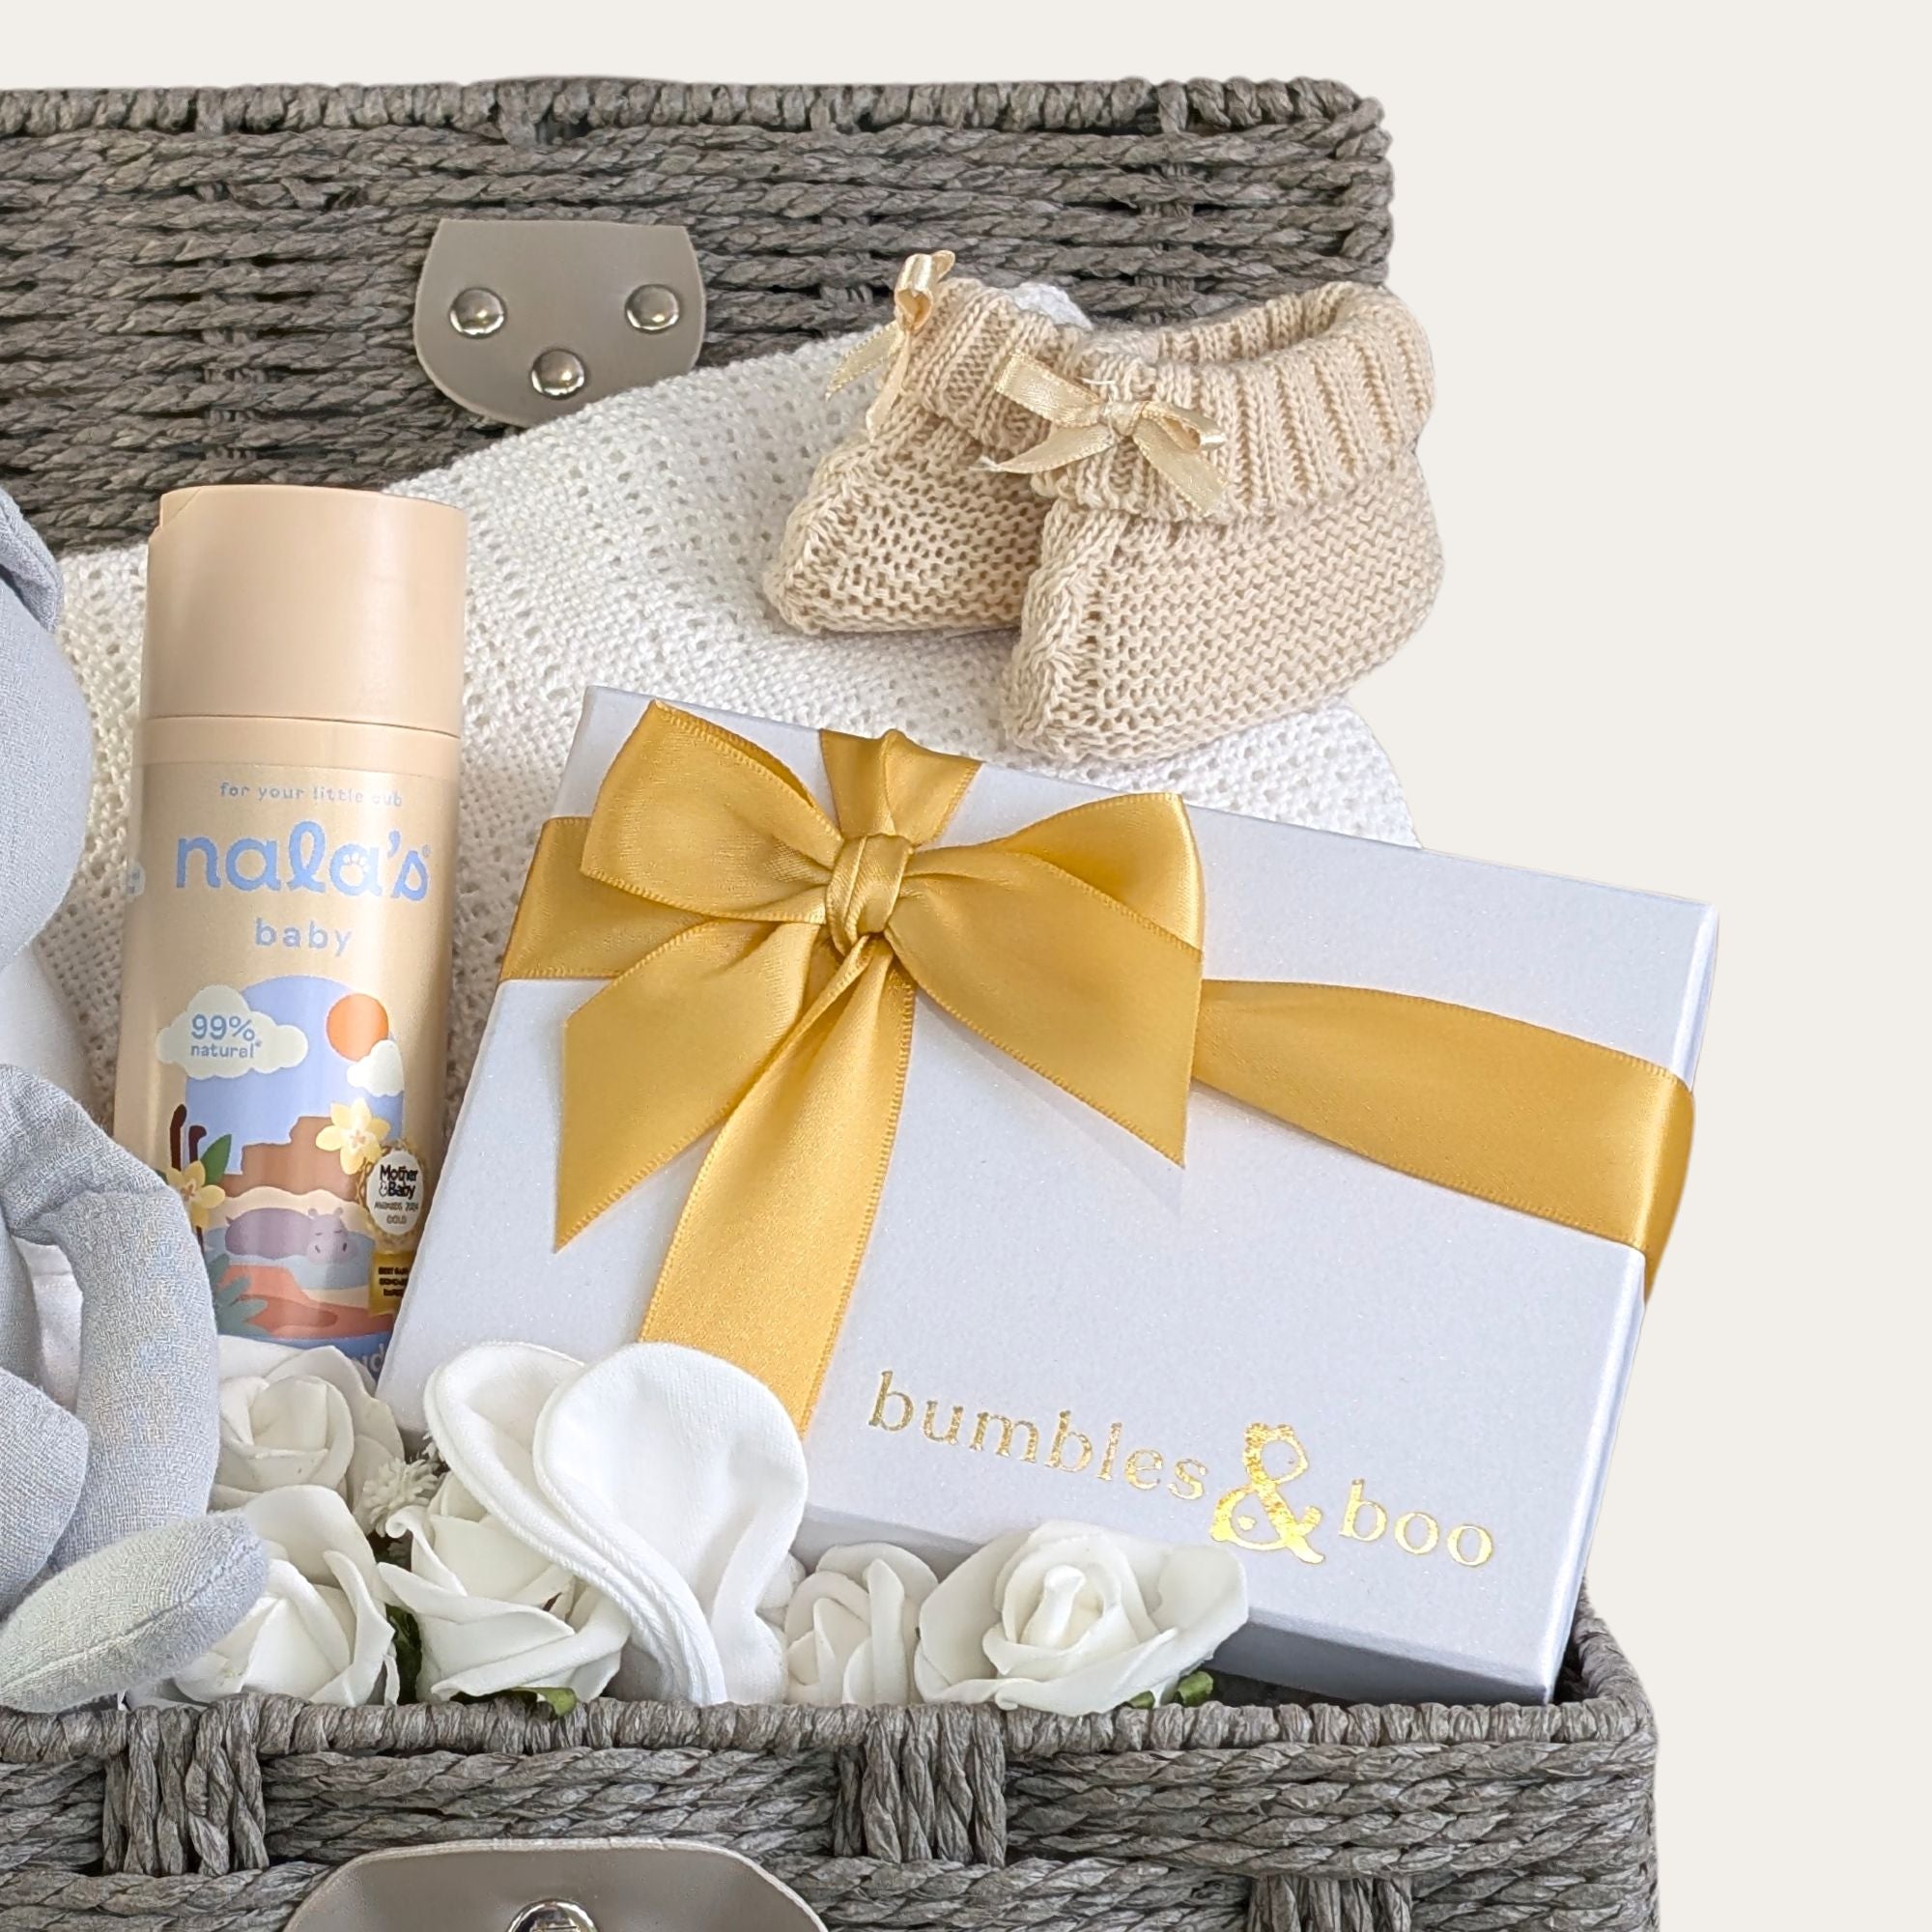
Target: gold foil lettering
{"points": [[888, 1393], [1255, 1516], [1359, 1502], [1008, 1425], [1064, 1432], [1402, 1523], [1291, 1530]]}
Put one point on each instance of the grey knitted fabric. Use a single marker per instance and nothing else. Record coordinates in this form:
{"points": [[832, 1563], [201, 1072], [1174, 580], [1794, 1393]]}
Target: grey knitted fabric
{"points": [[46, 769], [204, 287], [46, 761], [146, 1334], [1269, 1817], [44, 1454], [139, 1580]]}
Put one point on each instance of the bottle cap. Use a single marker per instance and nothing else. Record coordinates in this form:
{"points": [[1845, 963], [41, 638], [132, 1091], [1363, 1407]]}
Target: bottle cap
{"points": [[273, 601]]}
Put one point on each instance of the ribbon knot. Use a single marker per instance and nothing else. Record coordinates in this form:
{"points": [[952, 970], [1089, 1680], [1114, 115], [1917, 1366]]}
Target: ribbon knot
{"points": [[1172, 437], [864, 887], [890, 347], [764, 961]]}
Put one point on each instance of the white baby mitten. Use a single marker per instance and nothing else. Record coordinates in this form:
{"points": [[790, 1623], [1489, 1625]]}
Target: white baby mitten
{"points": [[482, 1408], [671, 1481], [670, 1461]]}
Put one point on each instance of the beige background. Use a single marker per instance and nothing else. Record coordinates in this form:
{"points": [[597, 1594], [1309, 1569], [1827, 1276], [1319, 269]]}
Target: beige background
{"points": [[1672, 261]]}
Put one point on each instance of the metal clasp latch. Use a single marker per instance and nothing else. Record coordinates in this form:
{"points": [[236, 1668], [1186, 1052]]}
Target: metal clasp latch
{"points": [[533, 1885], [553, 1914], [526, 321]]}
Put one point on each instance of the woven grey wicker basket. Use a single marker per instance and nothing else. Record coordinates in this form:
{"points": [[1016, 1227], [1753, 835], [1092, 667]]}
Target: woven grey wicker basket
{"points": [[200, 287], [1269, 1817], [209, 286]]}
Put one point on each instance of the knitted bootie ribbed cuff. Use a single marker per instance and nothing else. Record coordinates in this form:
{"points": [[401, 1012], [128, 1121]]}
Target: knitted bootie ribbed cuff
{"points": [[1164, 613], [904, 526]]}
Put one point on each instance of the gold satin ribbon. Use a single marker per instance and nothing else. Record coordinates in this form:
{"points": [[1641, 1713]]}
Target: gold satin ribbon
{"points": [[763, 963], [890, 347], [1172, 437]]}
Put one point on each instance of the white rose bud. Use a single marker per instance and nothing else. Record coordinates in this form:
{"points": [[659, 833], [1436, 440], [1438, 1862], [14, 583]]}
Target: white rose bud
{"points": [[317, 1631], [1074, 1619], [852, 1626], [494, 1614], [294, 1416]]}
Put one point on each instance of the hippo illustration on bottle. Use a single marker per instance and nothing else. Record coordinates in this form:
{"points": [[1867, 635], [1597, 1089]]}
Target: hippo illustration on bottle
{"points": [[313, 1248], [286, 1234]]}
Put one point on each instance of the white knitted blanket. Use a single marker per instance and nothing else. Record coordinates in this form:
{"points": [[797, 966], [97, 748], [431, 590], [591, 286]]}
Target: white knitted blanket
{"points": [[623, 546]]}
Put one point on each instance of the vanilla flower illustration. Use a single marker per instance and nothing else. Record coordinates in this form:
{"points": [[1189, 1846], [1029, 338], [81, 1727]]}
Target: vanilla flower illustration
{"points": [[353, 1135], [200, 1194]]}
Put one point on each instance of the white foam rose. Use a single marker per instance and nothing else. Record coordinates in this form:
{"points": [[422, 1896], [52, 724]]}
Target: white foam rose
{"points": [[496, 1615], [293, 1416], [1071, 1618], [852, 1626], [318, 1629]]}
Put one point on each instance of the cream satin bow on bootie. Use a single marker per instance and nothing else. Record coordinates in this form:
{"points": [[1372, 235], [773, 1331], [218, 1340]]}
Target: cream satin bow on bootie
{"points": [[1084, 422], [671, 1481], [890, 347]]}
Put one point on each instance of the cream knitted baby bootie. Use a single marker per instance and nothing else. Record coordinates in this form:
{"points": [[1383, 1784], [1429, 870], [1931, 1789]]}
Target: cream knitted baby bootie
{"points": [[905, 526], [1238, 527]]}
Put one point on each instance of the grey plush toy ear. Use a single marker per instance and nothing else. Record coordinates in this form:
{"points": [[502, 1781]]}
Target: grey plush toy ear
{"points": [[45, 747], [132, 1614]]}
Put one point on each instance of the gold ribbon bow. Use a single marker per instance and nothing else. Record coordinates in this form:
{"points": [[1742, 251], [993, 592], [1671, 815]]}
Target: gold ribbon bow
{"points": [[890, 347], [763, 965], [1172, 437]]}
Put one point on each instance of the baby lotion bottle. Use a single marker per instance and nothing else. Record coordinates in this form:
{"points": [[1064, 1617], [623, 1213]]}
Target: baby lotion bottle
{"points": [[291, 865]]}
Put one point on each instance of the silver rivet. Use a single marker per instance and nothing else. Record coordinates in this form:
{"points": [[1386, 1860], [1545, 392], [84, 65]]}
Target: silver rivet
{"points": [[478, 312], [553, 1914], [652, 308], [558, 372]]}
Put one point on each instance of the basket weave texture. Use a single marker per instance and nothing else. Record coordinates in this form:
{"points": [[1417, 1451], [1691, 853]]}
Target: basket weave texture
{"points": [[217, 286], [1224, 1818]]}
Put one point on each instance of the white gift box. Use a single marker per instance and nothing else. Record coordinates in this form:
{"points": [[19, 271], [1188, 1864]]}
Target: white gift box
{"points": [[1053, 1321]]}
